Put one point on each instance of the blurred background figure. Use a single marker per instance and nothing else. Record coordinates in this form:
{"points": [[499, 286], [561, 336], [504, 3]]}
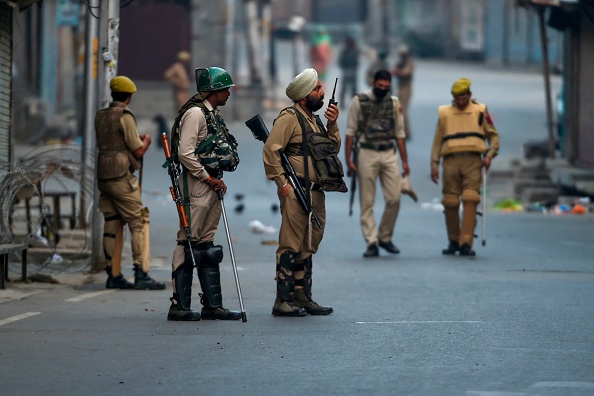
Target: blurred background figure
{"points": [[403, 71], [348, 61], [380, 63], [320, 52], [178, 75]]}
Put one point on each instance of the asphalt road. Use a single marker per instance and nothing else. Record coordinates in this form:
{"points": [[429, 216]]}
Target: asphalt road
{"points": [[516, 320]]}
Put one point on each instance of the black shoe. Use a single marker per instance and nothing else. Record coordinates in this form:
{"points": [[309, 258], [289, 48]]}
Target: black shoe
{"points": [[452, 248], [372, 251], [178, 314], [466, 250], [118, 282], [389, 246], [144, 282], [219, 313]]}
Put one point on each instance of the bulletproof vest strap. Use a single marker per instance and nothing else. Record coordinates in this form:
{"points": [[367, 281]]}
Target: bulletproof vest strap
{"points": [[462, 135]]}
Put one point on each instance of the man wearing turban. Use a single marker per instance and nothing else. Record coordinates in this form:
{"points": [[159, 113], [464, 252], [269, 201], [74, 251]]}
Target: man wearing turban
{"points": [[296, 132], [462, 130]]}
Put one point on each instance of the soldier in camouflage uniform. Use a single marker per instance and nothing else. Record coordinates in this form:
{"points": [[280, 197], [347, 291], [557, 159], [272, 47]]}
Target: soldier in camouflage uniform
{"points": [[298, 238], [375, 119], [120, 150], [205, 149]]}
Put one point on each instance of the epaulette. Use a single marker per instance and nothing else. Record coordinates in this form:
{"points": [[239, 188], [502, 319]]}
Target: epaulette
{"points": [[290, 110]]}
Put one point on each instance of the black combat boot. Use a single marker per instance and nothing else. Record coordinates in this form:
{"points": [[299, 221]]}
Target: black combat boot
{"points": [[182, 296], [116, 282], [466, 250], [209, 276], [144, 282], [452, 248], [372, 251], [303, 297], [284, 304]]}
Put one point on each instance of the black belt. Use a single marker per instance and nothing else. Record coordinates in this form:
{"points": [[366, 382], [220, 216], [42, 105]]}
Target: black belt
{"points": [[463, 154], [376, 146], [314, 186]]}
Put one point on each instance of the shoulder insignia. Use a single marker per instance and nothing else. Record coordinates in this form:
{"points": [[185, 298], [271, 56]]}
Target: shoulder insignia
{"points": [[488, 117]]}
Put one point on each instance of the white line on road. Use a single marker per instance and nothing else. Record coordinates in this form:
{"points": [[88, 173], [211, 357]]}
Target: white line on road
{"points": [[88, 295], [17, 317], [422, 322]]}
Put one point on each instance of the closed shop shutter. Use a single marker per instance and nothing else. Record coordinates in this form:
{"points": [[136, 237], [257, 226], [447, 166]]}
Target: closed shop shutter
{"points": [[5, 81], [586, 88]]}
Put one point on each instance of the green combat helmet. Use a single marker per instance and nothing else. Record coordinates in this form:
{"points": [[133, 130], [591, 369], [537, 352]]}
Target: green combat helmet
{"points": [[212, 79]]}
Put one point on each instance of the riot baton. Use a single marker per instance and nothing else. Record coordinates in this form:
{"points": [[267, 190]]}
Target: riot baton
{"points": [[484, 198], [233, 264]]}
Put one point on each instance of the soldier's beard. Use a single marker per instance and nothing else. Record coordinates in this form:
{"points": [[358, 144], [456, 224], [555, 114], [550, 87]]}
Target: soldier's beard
{"points": [[314, 104]]}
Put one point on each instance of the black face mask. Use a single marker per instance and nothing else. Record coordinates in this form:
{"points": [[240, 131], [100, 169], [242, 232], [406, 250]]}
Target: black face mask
{"points": [[380, 93]]}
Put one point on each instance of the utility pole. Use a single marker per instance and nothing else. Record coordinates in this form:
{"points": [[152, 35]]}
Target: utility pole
{"points": [[110, 56], [547, 78]]}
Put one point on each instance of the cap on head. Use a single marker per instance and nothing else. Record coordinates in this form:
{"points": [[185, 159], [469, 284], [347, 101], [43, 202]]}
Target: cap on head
{"points": [[302, 84], [183, 56], [212, 79], [122, 84], [460, 86]]}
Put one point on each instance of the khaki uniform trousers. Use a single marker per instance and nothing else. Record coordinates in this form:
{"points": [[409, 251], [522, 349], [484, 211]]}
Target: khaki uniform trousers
{"points": [[121, 197], [295, 226], [462, 178], [404, 94], [385, 165], [205, 214]]}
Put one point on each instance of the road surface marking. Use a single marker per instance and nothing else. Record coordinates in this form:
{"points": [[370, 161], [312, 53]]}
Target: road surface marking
{"points": [[17, 317], [422, 322], [88, 295], [563, 384]]}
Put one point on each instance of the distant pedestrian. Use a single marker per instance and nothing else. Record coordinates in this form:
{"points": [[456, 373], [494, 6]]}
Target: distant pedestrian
{"points": [[380, 63], [462, 129], [376, 122], [178, 75], [403, 70], [348, 61], [121, 149], [320, 52]]}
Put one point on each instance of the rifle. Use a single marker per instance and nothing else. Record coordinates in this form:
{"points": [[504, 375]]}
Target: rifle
{"points": [[260, 132], [353, 175], [332, 101], [174, 172]]}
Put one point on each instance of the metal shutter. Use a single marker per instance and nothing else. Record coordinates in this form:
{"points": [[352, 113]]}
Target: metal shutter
{"points": [[5, 82]]}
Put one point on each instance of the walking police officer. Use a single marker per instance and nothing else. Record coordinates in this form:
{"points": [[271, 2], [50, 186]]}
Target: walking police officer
{"points": [[462, 129]]}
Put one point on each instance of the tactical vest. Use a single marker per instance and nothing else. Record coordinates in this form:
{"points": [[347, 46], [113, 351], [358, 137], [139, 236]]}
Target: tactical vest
{"points": [[462, 129], [325, 159], [218, 152], [114, 159], [378, 120]]}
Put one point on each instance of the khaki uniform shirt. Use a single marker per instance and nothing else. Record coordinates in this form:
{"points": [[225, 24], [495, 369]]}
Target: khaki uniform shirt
{"points": [[287, 130], [193, 131], [355, 115]]}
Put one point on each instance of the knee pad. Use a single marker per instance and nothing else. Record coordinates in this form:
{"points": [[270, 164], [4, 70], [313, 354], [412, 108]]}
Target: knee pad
{"points": [[188, 263], [450, 201], [471, 196], [112, 225], [211, 257]]}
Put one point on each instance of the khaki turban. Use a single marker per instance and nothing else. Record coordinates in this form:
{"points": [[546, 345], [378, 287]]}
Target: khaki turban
{"points": [[302, 85], [461, 85]]}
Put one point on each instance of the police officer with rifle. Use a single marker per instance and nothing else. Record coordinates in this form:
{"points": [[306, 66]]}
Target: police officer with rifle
{"points": [[299, 138]]}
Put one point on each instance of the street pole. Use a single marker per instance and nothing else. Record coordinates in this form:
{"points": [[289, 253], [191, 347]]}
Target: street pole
{"points": [[110, 56], [547, 75]]}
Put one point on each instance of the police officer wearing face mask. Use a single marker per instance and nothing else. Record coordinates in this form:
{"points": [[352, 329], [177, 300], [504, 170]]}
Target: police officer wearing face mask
{"points": [[376, 125]]}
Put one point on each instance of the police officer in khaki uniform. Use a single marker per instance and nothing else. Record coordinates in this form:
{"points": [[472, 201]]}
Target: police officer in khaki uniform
{"points": [[121, 149], [462, 129], [375, 120], [205, 149], [299, 238], [403, 70]]}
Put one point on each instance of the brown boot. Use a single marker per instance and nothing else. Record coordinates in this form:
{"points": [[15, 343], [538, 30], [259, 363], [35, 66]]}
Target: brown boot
{"points": [[285, 288], [303, 297]]}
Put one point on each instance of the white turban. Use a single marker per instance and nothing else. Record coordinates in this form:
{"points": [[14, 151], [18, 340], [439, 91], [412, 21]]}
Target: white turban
{"points": [[302, 85]]}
